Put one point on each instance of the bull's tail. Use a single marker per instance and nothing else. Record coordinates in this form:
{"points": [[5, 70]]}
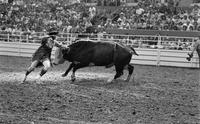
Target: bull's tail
{"points": [[130, 48], [133, 51]]}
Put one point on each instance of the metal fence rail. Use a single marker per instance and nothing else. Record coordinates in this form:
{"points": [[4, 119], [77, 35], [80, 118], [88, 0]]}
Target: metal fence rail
{"points": [[153, 50]]}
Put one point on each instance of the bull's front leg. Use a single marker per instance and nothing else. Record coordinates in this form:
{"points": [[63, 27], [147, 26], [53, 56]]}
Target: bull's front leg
{"points": [[73, 77], [68, 70], [75, 67]]}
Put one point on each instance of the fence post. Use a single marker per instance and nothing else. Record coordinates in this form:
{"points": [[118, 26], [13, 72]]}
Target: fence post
{"points": [[27, 38], [158, 51], [194, 62], [8, 37], [19, 46]]}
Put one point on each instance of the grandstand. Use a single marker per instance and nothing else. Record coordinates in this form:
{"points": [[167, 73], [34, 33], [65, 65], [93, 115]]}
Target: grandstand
{"points": [[41, 15]]}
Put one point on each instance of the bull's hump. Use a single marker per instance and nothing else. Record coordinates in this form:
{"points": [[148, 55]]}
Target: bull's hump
{"points": [[84, 40], [83, 45]]}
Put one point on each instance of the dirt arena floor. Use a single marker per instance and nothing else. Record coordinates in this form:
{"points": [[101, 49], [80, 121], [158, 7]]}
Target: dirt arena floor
{"points": [[158, 95]]}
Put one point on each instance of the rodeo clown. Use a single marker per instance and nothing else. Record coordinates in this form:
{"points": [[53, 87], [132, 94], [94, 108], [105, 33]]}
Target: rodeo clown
{"points": [[42, 56], [196, 47]]}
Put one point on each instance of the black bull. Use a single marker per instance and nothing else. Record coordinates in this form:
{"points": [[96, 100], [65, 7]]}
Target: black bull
{"points": [[84, 53]]}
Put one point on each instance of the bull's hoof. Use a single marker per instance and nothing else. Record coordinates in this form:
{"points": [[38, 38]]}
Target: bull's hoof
{"points": [[23, 82], [73, 79], [64, 75]]}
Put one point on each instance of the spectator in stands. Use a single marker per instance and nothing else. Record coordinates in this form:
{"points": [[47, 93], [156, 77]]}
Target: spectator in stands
{"points": [[122, 18], [100, 34], [108, 23], [87, 23], [92, 12]]}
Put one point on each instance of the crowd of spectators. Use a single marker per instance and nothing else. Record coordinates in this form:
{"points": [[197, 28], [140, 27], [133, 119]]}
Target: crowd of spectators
{"points": [[157, 17], [40, 15]]}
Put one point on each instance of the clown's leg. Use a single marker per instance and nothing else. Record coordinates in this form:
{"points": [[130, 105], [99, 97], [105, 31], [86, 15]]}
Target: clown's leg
{"points": [[30, 69], [47, 65]]}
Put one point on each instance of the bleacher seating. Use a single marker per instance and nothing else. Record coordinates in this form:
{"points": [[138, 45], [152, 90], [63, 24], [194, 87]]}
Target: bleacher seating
{"points": [[40, 15]]}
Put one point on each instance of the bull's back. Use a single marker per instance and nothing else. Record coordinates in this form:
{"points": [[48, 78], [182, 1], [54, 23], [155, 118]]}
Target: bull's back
{"points": [[110, 52], [103, 53], [99, 53]]}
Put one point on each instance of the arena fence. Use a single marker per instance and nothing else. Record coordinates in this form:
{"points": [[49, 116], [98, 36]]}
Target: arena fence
{"points": [[153, 50]]}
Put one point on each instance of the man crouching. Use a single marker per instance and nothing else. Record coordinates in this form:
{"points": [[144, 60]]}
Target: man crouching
{"points": [[42, 56]]}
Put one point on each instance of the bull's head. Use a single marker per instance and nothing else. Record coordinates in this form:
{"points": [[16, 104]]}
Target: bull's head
{"points": [[59, 55]]}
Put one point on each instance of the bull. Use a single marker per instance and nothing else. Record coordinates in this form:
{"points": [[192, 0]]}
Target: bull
{"points": [[84, 53]]}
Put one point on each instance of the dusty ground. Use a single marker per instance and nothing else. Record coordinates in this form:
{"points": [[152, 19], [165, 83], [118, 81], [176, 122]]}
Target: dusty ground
{"points": [[158, 95]]}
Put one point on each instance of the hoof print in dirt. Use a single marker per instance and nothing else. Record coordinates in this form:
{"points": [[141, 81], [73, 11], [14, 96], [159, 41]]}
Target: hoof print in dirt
{"points": [[134, 113]]}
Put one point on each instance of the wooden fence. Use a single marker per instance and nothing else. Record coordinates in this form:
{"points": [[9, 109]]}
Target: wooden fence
{"points": [[154, 50], [156, 57]]}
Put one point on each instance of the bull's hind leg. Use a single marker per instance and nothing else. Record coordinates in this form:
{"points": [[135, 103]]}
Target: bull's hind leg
{"points": [[119, 71], [130, 72]]}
